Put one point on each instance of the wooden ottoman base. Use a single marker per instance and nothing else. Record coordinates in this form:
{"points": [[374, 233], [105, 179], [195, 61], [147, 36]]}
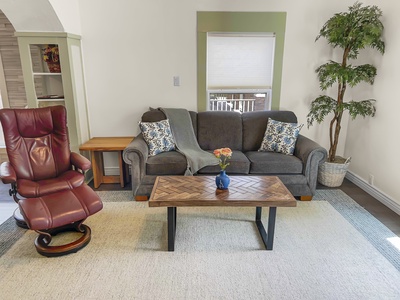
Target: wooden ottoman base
{"points": [[42, 242]]}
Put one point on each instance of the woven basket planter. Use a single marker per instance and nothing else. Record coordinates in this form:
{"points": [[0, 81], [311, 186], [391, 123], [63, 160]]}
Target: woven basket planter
{"points": [[332, 174]]}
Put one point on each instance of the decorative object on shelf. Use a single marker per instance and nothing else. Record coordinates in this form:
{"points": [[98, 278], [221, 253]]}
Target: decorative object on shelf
{"points": [[52, 57], [351, 31], [222, 180]]}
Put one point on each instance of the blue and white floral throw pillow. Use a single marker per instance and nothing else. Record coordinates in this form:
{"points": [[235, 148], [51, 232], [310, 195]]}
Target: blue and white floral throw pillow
{"points": [[158, 136], [280, 137]]}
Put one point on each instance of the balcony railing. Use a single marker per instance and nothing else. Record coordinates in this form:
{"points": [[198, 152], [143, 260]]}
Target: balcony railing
{"points": [[240, 105]]}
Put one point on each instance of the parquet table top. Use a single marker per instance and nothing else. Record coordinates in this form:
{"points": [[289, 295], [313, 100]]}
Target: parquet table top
{"points": [[261, 191]]}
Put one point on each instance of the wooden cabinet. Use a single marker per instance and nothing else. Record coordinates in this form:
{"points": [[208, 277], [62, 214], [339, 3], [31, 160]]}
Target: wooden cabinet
{"points": [[48, 86]]}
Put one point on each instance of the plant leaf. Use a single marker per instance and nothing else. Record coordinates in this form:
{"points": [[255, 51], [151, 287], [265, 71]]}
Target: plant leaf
{"points": [[360, 108], [356, 29], [320, 108]]}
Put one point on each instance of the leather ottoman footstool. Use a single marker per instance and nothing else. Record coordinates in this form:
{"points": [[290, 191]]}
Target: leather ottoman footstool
{"points": [[58, 212]]}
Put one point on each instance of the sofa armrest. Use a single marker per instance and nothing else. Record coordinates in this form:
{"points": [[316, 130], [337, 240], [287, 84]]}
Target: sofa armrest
{"points": [[312, 155], [80, 162], [136, 155], [7, 173]]}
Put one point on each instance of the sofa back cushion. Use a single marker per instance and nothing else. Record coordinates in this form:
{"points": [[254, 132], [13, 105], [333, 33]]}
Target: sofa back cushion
{"points": [[155, 115], [255, 124], [219, 129]]}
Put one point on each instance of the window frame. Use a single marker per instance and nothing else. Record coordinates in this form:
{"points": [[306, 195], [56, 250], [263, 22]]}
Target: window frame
{"points": [[239, 22]]}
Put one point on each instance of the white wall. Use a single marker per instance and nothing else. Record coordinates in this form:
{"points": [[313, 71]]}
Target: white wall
{"points": [[68, 14], [132, 49]]}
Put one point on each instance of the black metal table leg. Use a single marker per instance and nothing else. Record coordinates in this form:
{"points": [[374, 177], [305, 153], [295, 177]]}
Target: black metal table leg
{"points": [[271, 227], [267, 238], [171, 212]]}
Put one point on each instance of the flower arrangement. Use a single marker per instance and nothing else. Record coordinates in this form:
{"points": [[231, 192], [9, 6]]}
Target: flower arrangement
{"points": [[51, 54], [223, 154]]}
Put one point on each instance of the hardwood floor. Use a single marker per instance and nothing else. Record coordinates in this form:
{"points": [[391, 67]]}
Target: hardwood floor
{"points": [[373, 206], [388, 217]]}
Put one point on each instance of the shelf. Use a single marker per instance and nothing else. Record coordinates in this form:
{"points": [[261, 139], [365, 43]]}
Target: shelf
{"points": [[46, 74], [50, 99], [50, 102], [48, 85]]}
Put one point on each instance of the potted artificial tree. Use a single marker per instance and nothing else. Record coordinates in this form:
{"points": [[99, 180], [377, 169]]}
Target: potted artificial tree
{"points": [[350, 31]]}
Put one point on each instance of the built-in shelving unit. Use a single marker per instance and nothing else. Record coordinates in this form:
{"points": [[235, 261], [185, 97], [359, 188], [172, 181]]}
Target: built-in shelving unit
{"points": [[48, 83], [64, 85]]}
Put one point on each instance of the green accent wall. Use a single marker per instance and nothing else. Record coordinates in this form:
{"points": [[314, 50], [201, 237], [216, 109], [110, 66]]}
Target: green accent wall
{"points": [[239, 22]]}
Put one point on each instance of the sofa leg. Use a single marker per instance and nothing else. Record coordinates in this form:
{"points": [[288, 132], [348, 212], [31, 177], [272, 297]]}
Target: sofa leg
{"points": [[141, 198], [306, 198]]}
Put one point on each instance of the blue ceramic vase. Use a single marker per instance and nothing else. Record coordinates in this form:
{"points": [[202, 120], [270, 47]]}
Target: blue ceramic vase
{"points": [[222, 180]]}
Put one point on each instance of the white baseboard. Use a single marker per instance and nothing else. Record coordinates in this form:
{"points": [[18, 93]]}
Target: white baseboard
{"points": [[374, 192]]}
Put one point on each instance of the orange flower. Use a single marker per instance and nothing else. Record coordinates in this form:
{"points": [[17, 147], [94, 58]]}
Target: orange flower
{"points": [[226, 152], [217, 153], [223, 154]]}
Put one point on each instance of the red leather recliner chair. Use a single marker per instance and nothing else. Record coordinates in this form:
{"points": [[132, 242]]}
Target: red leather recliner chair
{"points": [[49, 177]]}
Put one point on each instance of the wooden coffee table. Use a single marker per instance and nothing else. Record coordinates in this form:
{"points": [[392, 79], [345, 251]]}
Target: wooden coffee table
{"points": [[253, 191]]}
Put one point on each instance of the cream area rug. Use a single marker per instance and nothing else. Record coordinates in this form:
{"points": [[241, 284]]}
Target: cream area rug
{"points": [[317, 254]]}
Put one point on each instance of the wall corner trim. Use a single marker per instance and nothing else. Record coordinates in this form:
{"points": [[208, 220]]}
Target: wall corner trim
{"points": [[374, 192]]}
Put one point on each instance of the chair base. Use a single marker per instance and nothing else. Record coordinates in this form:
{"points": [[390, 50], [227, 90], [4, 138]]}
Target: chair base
{"points": [[42, 242]]}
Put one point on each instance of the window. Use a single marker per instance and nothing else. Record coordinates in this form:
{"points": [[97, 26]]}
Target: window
{"points": [[240, 101], [239, 71], [240, 23]]}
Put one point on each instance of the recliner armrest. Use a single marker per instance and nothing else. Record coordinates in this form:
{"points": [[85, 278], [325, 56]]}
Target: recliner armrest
{"points": [[80, 162], [7, 173]]}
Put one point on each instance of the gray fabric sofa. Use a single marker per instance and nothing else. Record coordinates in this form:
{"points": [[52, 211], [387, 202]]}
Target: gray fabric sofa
{"points": [[243, 133]]}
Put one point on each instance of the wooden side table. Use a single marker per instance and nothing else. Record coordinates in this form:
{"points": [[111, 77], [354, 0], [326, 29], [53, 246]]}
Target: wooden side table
{"points": [[97, 146]]}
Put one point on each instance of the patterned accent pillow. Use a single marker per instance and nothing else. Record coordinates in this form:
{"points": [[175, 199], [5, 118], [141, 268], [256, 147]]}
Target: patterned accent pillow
{"points": [[280, 137], [158, 136]]}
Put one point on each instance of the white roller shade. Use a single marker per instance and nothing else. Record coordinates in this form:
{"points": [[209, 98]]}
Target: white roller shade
{"points": [[240, 61]]}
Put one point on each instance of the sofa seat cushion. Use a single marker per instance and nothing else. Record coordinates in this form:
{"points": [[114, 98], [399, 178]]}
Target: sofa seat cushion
{"points": [[274, 163], [166, 163], [239, 164]]}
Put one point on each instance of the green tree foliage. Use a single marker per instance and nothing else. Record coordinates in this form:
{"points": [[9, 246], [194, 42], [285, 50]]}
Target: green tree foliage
{"points": [[350, 31]]}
